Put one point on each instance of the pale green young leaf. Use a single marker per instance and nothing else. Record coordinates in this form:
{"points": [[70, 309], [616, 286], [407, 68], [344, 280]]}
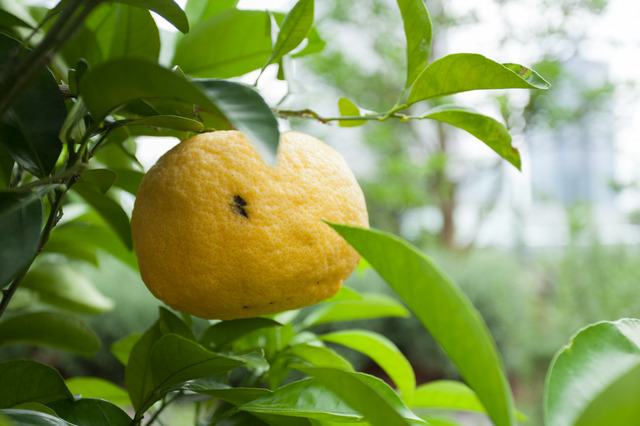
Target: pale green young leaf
{"points": [[168, 9], [444, 310], [95, 387], [122, 348], [447, 394], [461, 72], [418, 32], [349, 109], [320, 356], [200, 10]]}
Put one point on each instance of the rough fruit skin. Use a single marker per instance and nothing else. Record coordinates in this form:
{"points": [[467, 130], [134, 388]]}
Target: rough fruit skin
{"points": [[220, 234]]}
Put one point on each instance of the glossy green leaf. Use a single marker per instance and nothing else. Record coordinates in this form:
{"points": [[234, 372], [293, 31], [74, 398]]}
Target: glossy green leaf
{"points": [[168, 9], [349, 109], [24, 380], [319, 356], [247, 111], [137, 376], [59, 285], [247, 46], [174, 360], [173, 122], [418, 33], [370, 306], [490, 131], [595, 376], [171, 323], [446, 394], [20, 223], [444, 310], [58, 330], [91, 412], [122, 348], [234, 395], [74, 250], [110, 210], [314, 44], [128, 180], [369, 395], [100, 179], [35, 406], [94, 387], [383, 351], [200, 10], [29, 129], [31, 418], [112, 84], [294, 29], [221, 334], [461, 72]]}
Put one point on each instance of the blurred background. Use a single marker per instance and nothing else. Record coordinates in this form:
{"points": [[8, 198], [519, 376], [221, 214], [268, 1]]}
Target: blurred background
{"points": [[541, 252]]}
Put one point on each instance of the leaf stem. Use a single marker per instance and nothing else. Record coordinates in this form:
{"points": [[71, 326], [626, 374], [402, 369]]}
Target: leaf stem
{"points": [[59, 178], [308, 113]]}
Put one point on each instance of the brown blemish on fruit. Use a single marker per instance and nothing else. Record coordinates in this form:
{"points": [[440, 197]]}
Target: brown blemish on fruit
{"points": [[245, 307], [238, 206]]}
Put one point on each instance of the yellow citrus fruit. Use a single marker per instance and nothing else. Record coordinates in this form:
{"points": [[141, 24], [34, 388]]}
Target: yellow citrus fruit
{"points": [[221, 234]]}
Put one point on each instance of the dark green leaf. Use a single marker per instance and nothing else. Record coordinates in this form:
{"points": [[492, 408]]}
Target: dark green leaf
{"points": [[462, 72], [247, 46], [6, 167], [29, 130], [117, 82], [100, 179], [91, 412], [137, 375], [349, 109], [121, 349], [383, 351], [247, 111], [171, 323], [174, 360], [110, 210], [173, 122], [61, 286], [200, 10], [168, 9], [221, 334], [595, 376], [493, 133], [31, 418], [446, 394], [370, 306], [20, 223], [235, 395], [9, 21], [35, 406], [444, 310], [24, 380], [79, 250], [294, 29], [94, 387], [53, 329], [418, 32]]}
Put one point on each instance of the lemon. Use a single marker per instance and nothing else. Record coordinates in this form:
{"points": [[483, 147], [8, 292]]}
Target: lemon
{"points": [[220, 234]]}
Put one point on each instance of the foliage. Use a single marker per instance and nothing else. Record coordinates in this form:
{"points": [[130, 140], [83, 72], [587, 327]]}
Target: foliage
{"points": [[79, 83]]}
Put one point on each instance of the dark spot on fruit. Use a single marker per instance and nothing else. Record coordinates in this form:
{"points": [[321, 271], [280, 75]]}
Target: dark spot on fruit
{"points": [[238, 205], [245, 307], [271, 303]]}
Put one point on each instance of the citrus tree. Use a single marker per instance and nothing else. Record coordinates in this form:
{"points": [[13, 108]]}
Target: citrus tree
{"points": [[82, 80]]}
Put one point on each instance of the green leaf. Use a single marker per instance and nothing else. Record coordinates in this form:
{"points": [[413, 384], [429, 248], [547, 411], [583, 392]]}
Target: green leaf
{"points": [[100, 179], [53, 329], [20, 224], [173, 122], [91, 412], [112, 84], [345, 293], [122, 348], [171, 323], [168, 9], [418, 32], [24, 380], [446, 394], [9, 21], [370, 306], [200, 10], [61, 286], [174, 360], [221, 334], [94, 387], [6, 167], [596, 376], [247, 111], [29, 130], [35, 406], [444, 310], [235, 395], [314, 44], [73, 249], [319, 356], [490, 131], [247, 46], [383, 351], [349, 109], [461, 72], [31, 418], [129, 180], [110, 210], [137, 376], [294, 29]]}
